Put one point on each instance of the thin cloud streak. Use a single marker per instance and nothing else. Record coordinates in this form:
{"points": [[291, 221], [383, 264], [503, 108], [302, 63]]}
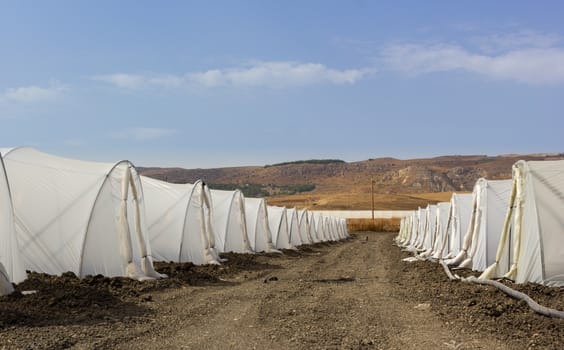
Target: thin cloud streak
{"points": [[526, 39], [535, 66], [278, 74], [126, 81], [261, 74], [33, 93]]}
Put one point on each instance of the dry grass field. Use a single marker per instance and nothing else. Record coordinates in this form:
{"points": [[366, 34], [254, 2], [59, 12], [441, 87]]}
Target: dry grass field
{"points": [[358, 201], [376, 225]]}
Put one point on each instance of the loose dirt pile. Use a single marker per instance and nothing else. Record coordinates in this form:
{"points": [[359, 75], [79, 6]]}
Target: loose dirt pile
{"points": [[471, 308], [356, 294]]}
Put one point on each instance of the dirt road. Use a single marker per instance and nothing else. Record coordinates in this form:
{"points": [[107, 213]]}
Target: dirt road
{"points": [[351, 295], [335, 297]]}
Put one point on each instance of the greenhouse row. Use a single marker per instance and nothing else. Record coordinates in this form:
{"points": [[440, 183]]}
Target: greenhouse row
{"points": [[508, 229], [89, 218]]}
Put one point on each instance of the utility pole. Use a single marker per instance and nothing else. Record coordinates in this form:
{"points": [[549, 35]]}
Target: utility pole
{"points": [[372, 180]]}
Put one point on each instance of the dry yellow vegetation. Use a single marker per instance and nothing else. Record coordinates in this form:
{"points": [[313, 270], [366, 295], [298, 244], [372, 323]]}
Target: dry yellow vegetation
{"points": [[359, 201], [376, 225]]}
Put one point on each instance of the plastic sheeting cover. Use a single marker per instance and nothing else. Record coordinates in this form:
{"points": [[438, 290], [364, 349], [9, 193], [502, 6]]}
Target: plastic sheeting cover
{"points": [[258, 229], [303, 222], [293, 227], [540, 232], [461, 211], [279, 227], [179, 222], [229, 221], [9, 249], [492, 204], [70, 215]]}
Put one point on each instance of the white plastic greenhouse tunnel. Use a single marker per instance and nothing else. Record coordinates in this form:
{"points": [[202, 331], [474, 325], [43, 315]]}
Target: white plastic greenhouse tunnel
{"points": [[293, 227], [458, 222], [404, 233], [344, 228], [414, 234], [258, 230], [303, 223], [339, 224], [341, 227], [461, 212], [414, 225], [441, 225], [429, 231], [437, 231], [333, 228], [427, 225], [12, 269], [422, 224], [415, 228], [320, 227], [78, 216], [338, 228], [279, 227], [530, 247], [401, 234], [5, 283], [229, 221], [527, 237], [312, 227], [179, 222], [489, 206], [327, 228]]}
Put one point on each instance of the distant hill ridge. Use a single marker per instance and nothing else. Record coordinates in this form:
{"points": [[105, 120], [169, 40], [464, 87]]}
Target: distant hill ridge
{"points": [[309, 161], [334, 177]]}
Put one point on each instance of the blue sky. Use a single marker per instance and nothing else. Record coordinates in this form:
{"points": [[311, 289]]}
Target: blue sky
{"points": [[226, 83]]}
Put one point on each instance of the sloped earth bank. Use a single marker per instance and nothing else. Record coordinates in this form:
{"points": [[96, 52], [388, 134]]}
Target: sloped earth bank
{"points": [[356, 294]]}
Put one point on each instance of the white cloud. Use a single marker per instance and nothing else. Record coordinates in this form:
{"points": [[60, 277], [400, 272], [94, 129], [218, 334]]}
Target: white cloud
{"points": [[143, 134], [278, 74], [128, 81], [260, 74], [166, 81], [29, 94], [526, 39], [535, 65]]}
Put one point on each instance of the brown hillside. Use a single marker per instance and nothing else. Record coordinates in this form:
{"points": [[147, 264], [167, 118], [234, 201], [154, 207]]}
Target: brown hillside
{"points": [[398, 184]]}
